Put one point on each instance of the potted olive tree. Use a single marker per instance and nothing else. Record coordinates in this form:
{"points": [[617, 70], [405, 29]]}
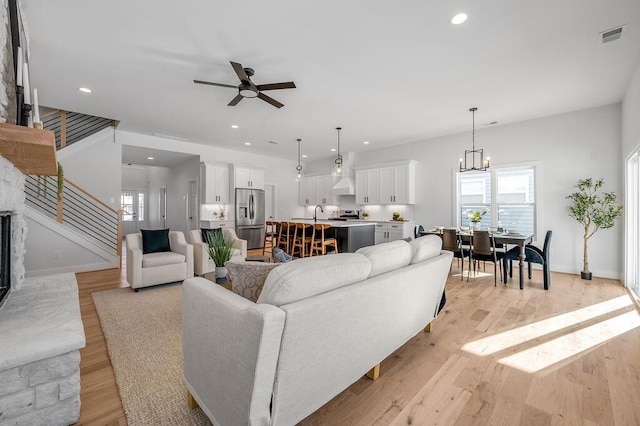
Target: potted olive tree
{"points": [[594, 210], [220, 250]]}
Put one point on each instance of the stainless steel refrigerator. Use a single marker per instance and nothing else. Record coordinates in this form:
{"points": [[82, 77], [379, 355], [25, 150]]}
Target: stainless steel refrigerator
{"points": [[250, 216]]}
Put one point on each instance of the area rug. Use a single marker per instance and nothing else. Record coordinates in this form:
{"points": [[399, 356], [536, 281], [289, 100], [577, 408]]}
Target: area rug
{"points": [[143, 331]]}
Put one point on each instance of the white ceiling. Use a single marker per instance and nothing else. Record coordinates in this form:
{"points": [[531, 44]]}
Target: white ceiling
{"points": [[387, 72]]}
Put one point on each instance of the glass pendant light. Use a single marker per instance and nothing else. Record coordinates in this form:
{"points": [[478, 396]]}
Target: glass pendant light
{"points": [[299, 166], [337, 168]]}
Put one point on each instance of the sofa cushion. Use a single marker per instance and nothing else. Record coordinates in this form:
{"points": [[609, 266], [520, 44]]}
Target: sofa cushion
{"points": [[207, 234], [310, 276], [155, 240], [387, 257], [426, 247], [150, 260]]}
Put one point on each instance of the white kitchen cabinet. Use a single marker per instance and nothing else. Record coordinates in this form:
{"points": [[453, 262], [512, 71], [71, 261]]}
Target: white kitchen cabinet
{"points": [[214, 224], [249, 178], [214, 184], [308, 191], [368, 186], [315, 190], [392, 231], [397, 184]]}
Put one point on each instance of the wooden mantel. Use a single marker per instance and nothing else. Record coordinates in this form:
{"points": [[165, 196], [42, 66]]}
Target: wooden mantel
{"points": [[32, 151]]}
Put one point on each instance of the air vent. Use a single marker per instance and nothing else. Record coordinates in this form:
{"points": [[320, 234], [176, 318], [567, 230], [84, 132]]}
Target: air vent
{"points": [[612, 34], [273, 142]]}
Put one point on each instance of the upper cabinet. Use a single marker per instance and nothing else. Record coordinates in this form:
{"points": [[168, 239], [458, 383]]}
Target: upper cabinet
{"points": [[387, 184], [214, 184], [315, 190], [249, 178], [397, 184], [368, 186]]}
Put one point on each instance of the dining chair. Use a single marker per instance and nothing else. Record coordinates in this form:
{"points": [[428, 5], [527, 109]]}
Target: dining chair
{"points": [[319, 243], [452, 242], [533, 254], [483, 247], [417, 231]]}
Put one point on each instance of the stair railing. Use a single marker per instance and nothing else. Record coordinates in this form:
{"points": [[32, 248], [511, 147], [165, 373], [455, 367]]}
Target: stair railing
{"points": [[70, 127]]}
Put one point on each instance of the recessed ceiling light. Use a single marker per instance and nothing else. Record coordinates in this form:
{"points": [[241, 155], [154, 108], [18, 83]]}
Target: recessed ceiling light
{"points": [[459, 18], [247, 143], [304, 155], [84, 89], [149, 158], [333, 150], [366, 142], [234, 126]]}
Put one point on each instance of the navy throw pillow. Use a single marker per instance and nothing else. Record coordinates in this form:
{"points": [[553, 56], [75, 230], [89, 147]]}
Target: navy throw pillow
{"points": [[156, 240], [207, 234]]}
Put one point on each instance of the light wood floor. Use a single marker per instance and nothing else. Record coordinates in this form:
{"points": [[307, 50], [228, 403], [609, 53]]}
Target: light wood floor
{"points": [[525, 371]]}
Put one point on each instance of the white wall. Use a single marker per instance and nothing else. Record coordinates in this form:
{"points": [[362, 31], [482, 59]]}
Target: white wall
{"points": [[178, 193], [278, 172], [94, 164], [630, 114], [568, 146]]}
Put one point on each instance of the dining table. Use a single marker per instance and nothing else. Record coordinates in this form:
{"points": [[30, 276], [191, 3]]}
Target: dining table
{"points": [[513, 238]]}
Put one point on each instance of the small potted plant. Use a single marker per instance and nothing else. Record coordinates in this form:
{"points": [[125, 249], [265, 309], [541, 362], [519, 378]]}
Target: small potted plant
{"points": [[365, 215], [476, 216], [594, 210], [220, 250]]}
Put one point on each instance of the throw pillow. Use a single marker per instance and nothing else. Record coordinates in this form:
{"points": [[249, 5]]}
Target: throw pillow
{"points": [[207, 234], [280, 256], [155, 240]]}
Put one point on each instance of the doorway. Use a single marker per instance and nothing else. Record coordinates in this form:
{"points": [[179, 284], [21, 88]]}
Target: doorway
{"points": [[269, 201], [192, 213], [163, 207], [134, 217]]}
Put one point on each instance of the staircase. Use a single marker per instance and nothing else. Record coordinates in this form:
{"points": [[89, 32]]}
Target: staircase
{"points": [[80, 216]]}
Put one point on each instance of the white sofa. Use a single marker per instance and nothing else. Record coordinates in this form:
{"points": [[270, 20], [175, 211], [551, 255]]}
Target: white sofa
{"points": [[202, 262], [319, 325], [144, 270]]}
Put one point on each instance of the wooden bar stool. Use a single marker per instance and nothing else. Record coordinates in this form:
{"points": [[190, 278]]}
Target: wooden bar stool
{"points": [[302, 239], [319, 243], [284, 236], [270, 235]]}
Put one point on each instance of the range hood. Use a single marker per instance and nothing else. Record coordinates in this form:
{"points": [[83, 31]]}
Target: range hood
{"points": [[345, 186]]}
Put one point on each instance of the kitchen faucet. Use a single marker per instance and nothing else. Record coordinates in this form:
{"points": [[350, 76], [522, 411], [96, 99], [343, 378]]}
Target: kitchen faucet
{"points": [[315, 212]]}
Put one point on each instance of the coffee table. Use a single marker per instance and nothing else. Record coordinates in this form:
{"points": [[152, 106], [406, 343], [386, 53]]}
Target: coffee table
{"points": [[224, 282]]}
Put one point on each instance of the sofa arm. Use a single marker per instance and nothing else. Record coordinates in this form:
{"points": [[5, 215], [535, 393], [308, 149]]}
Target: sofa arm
{"points": [[242, 246], [231, 348], [134, 267], [179, 245]]}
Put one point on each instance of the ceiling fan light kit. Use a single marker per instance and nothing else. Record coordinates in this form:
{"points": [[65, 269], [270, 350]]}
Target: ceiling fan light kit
{"points": [[247, 89], [474, 156]]}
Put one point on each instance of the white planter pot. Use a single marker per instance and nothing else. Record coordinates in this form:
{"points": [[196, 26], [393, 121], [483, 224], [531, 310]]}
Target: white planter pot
{"points": [[221, 272]]}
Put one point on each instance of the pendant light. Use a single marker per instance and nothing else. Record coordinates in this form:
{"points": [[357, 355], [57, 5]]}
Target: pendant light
{"points": [[337, 168], [469, 164], [299, 166]]}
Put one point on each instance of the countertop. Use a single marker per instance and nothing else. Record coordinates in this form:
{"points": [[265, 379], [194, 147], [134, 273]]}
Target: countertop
{"points": [[335, 223]]}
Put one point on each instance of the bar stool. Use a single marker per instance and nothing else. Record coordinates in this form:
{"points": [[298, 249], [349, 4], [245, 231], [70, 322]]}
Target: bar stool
{"points": [[270, 235], [319, 245], [302, 238], [284, 236]]}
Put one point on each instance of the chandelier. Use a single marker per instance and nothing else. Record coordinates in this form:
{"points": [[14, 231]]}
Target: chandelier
{"points": [[474, 158], [337, 168], [299, 166]]}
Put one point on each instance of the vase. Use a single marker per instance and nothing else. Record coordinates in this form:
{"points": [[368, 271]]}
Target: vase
{"points": [[221, 272], [475, 225]]}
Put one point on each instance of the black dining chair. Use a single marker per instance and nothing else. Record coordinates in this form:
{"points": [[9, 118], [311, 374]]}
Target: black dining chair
{"points": [[451, 242], [483, 247], [533, 254], [417, 231]]}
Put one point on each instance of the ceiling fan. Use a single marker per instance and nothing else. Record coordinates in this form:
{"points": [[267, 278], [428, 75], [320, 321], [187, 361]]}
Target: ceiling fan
{"points": [[247, 89]]}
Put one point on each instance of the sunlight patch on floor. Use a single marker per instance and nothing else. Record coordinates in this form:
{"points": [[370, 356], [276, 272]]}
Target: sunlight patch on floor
{"points": [[474, 275], [542, 356], [501, 341]]}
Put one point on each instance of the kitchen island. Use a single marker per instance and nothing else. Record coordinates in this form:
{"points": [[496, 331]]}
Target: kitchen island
{"points": [[351, 235]]}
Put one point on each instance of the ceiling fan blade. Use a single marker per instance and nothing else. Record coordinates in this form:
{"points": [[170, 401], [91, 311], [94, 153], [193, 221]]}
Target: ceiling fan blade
{"points": [[235, 100], [242, 75], [270, 100], [214, 84], [276, 86]]}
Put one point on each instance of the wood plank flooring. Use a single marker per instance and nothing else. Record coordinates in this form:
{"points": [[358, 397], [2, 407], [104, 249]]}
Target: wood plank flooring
{"points": [[496, 356]]}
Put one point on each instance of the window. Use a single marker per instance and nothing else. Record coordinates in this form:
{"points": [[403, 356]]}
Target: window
{"points": [[507, 195], [132, 203]]}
